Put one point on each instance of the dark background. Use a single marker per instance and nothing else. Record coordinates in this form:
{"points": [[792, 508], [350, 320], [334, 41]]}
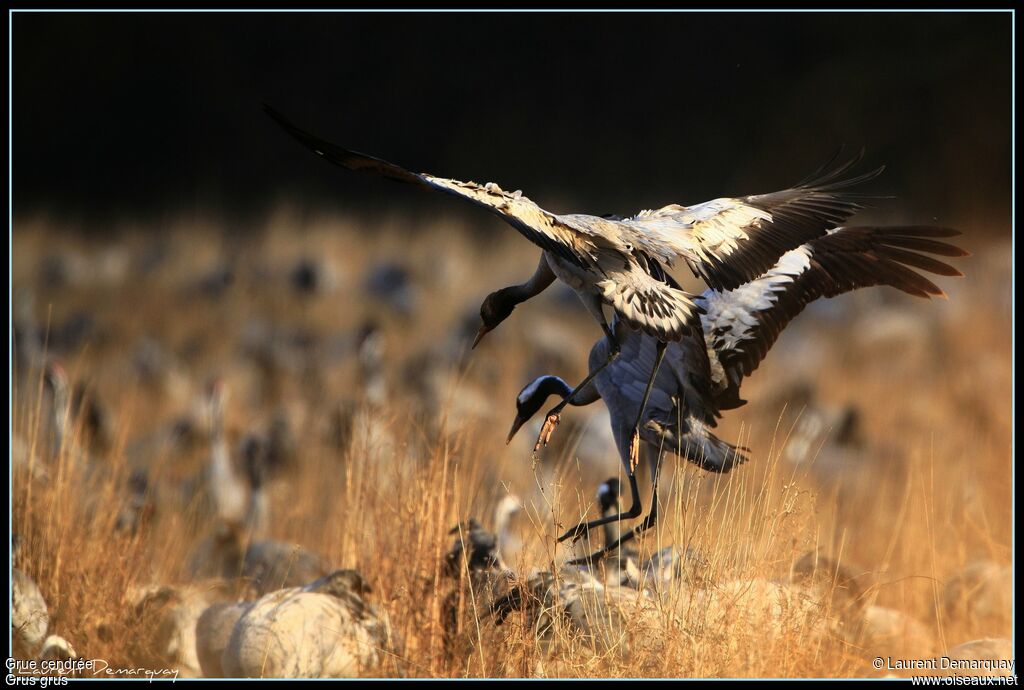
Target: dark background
{"points": [[135, 115]]}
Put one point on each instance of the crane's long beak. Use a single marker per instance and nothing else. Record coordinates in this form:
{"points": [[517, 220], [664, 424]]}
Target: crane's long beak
{"points": [[484, 330], [519, 421]]}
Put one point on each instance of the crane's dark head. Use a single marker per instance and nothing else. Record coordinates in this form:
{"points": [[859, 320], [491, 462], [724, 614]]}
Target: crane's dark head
{"points": [[340, 583], [532, 398], [474, 546], [608, 494], [496, 308], [255, 452]]}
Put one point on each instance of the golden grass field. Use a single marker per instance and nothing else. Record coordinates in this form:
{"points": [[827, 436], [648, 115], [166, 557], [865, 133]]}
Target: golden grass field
{"points": [[931, 493]]}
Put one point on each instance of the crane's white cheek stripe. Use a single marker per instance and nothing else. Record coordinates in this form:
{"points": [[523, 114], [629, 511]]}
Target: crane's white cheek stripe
{"points": [[531, 389]]}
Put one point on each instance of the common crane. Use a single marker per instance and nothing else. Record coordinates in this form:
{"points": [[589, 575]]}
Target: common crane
{"points": [[739, 326], [621, 262], [324, 629], [229, 494], [80, 424], [30, 617]]}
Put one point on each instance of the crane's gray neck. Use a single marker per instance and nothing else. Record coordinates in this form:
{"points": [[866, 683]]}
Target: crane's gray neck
{"points": [[257, 516], [221, 473], [371, 365], [608, 495], [61, 410], [216, 418], [258, 508], [506, 540], [541, 278]]}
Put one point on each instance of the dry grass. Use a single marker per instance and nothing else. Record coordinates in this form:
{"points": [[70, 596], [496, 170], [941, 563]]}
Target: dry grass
{"points": [[933, 494]]}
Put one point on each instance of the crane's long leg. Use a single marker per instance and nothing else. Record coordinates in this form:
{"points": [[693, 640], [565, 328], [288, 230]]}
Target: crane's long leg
{"points": [[634, 511], [551, 420], [648, 522], [634, 444]]}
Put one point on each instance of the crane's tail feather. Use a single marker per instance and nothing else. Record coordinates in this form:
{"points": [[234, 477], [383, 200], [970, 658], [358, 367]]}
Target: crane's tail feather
{"points": [[697, 444]]}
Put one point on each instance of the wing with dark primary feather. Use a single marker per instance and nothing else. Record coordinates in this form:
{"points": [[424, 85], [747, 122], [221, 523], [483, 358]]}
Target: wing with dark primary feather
{"points": [[578, 246], [741, 325], [726, 241], [730, 241], [633, 282]]}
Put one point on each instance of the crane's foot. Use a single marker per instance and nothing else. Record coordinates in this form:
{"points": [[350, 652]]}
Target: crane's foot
{"points": [[634, 452], [590, 560], [598, 556], [545, 431]]}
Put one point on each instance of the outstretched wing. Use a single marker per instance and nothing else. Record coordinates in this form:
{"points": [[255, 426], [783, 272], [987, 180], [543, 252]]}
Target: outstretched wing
{"points": [[730, 241], [649, 298], [741, 325], [577, 245]]}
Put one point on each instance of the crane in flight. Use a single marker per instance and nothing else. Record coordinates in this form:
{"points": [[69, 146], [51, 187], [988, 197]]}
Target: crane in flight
{"points": [[621, 262]]}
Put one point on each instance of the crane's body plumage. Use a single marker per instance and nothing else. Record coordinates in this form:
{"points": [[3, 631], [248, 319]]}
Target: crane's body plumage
{"points": [[679, 399]]}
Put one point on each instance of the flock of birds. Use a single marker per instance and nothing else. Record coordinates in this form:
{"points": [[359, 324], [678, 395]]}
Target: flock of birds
{"points": [[667, 366], [614, 607], [276, 610]]}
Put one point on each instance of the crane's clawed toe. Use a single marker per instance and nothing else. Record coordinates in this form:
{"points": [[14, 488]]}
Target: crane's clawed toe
{"points": [[590, 560], [547, 430]]}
